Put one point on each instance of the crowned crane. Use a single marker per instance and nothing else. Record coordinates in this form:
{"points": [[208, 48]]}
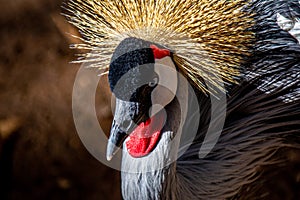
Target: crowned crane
{"points": [[207, 43]]}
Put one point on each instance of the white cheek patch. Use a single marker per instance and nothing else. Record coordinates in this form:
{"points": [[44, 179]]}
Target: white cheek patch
{"points": [[166, 89]]}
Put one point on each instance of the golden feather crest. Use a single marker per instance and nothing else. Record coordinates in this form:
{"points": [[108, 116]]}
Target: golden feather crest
{"points": [[209, 38]]}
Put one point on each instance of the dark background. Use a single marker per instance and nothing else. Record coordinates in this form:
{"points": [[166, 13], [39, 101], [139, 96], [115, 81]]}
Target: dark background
{"points": [[41, 156]]}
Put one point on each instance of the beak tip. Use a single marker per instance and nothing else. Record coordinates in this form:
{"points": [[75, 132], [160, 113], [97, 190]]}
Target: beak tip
{"points": [[109, 157], [112, 149]]}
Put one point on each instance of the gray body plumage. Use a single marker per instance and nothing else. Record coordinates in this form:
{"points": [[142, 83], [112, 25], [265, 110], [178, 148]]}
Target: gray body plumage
{"points": [[263, 119]]}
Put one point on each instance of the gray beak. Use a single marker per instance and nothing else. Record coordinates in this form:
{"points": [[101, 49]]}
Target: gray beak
{"points": [[122, 125], [115, 141]]}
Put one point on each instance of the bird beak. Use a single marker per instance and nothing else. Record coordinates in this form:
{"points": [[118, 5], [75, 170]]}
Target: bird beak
{"points": [[116, 138], [122, 126]]}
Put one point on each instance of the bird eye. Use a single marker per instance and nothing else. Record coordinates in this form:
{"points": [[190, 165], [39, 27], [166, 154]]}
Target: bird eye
{"points": [[153, 82]]}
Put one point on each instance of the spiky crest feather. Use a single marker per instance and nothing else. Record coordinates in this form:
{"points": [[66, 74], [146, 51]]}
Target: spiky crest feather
{"points": [[209, 38]]}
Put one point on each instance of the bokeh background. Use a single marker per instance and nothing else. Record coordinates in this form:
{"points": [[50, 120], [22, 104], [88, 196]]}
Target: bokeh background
{"points": [[41, 156]]}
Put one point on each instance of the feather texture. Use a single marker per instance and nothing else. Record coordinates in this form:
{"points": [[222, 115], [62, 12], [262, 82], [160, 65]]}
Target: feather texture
{"points": [[263, 112], [209, 38]]}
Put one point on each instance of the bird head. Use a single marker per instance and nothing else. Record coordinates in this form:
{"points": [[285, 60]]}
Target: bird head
{"points": [[143, 78], [205, 41]]}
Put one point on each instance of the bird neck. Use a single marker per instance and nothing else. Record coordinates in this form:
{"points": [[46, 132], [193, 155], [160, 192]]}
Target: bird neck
{"points": [[154, 176]]}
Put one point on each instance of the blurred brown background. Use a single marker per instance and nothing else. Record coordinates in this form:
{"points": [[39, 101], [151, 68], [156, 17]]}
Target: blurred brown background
{"points": [[41, 156]]}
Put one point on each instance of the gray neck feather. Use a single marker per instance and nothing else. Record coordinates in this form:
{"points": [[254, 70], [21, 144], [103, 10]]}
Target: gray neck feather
{"points": [[144, 178]]}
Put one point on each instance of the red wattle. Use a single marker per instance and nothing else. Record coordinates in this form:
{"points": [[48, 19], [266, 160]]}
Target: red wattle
{"points": [[145, 137], [159, 53]]}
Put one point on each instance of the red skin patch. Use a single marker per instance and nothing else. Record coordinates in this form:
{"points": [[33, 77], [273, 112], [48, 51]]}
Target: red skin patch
{"points": [[159, 53], [145, 136]]}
